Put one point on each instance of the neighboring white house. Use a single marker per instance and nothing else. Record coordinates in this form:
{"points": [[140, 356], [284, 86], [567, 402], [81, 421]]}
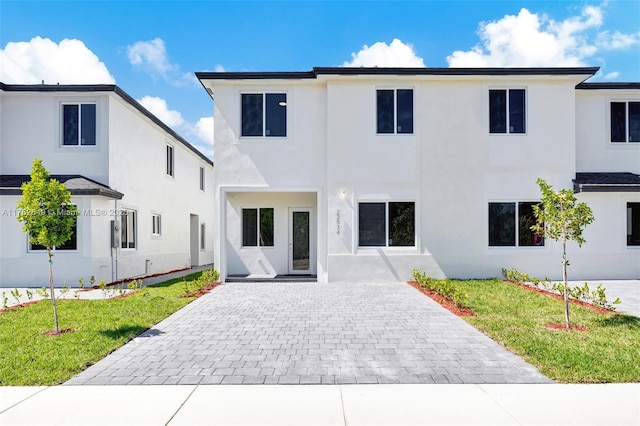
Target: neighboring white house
{"points": [[366, 173], [144, 194]]}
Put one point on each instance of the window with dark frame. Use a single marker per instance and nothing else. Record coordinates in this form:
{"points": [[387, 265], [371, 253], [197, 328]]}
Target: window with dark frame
{"points": [[633, 224], [625, 122], [394, 110], [201, 178], [507, 111], [156, 224], [203, 236], [79, 124], [170, 161], [128, 229], [510, 225], [257, 227], [386, 224], [264, 114]]}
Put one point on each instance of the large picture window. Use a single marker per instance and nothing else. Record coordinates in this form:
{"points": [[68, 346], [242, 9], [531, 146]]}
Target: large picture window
{"points": [[264, 114], [71, 244], [507, 111], [78, 124], [510, 225], [625, 122], [382, 224], [128, 229], [394, 110], [257, 227], [633, 224]]}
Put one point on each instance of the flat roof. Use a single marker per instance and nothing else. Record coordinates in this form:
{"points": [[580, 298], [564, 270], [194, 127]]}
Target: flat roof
{"points": [[86, 88], [316, 71]]}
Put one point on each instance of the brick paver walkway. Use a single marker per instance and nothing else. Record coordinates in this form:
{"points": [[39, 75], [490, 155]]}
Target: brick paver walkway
{"points": [[291, 333]]}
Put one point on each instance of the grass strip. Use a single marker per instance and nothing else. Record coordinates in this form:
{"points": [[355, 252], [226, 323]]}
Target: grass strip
{"points": [[28, 357]]}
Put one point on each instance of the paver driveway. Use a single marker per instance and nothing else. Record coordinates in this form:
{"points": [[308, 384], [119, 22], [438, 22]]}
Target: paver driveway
{"points": [[292, 333]]}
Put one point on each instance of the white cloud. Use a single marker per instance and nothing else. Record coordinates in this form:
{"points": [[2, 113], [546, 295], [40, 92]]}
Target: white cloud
{"points": [[150, 55], [158, 107], [219, 68], [204, 129], [69, 62], [381, 54], [532, 40], [611, 76]]}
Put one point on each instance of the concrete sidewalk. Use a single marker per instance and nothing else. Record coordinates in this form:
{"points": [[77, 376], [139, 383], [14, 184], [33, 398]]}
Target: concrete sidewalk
{"points": [[553, 404]]}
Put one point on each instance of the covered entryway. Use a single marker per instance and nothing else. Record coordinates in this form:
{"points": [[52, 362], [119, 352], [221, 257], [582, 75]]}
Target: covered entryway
{"points": [[269, 235]]}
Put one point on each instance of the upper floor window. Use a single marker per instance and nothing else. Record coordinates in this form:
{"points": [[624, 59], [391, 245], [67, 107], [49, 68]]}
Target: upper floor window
{"points": [[264, 114], [201, 178], [507, 111], [170, 160], [633, 224], [625, 121], [78, 124], [394, 110], [510, 225], [382, 224], [128, 229]]}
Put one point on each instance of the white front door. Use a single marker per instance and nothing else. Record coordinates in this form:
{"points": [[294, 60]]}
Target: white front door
{"points": [[301, 241]]}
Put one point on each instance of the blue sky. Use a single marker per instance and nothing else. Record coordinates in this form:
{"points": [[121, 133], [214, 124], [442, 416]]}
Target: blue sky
{"points": [[151, 48]]}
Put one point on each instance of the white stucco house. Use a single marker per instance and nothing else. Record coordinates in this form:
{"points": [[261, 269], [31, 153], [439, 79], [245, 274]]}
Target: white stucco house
{"points": [[365, 173], [144, 194]]}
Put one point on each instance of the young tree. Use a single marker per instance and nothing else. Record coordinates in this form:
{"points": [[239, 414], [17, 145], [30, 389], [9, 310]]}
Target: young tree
{"points": [[47, 215], [561, 217]]}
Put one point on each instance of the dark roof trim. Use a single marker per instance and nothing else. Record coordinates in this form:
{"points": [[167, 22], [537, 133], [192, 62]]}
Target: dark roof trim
{"points": [[606, 182], [86, 88], [76, 184], [608, 86], [392, 71]]}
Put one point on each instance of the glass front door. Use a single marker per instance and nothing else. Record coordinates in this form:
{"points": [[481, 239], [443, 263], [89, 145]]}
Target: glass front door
{"points": [[300, 241]]}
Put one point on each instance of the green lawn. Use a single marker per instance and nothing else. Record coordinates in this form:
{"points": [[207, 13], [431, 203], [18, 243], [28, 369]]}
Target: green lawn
{"points": [[608, 352], [29, 357]]}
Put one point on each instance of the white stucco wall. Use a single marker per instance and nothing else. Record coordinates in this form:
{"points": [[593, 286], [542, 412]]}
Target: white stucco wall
{"points": [[593, 133], [129, 156], [451, 167]]}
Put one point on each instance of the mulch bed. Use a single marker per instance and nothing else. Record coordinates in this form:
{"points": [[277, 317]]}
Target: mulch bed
{"points": [[561, 327], [53, 333], [561, 298], [443, 301], [204, 290]]}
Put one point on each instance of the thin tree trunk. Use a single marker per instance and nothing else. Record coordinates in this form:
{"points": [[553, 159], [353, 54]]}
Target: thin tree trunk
{"points": [[564, 279], [53, 293]]}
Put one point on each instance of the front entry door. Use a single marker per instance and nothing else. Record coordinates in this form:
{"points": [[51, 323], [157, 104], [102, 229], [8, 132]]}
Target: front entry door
{"points": [[301, 241]]}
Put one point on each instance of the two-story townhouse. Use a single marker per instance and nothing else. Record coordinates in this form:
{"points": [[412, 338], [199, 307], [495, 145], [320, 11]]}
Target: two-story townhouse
{"points": [[144, 194], [365, 173]]}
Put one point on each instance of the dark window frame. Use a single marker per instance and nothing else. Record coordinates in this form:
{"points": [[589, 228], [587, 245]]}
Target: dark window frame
{"points": [[271, 119], [629, 130], [510, 110], [408, 121], [388, 226], [171, 161], [202, 175], [80, 123], [156, 224], [517, 222], [203, 236], [73, 242], [633, 226], [127, 243], [262, 237]]}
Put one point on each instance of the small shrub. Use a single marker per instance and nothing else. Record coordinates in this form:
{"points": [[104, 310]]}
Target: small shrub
{"points": [[447, 288], [596, 297], [29, 294], [5, 301], [43, 292], [16, 295]]}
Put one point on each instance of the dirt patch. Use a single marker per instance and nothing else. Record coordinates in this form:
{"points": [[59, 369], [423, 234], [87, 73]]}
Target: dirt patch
{"points": [[561, 298], [443, 301], [561, 327], [53, 333]]}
